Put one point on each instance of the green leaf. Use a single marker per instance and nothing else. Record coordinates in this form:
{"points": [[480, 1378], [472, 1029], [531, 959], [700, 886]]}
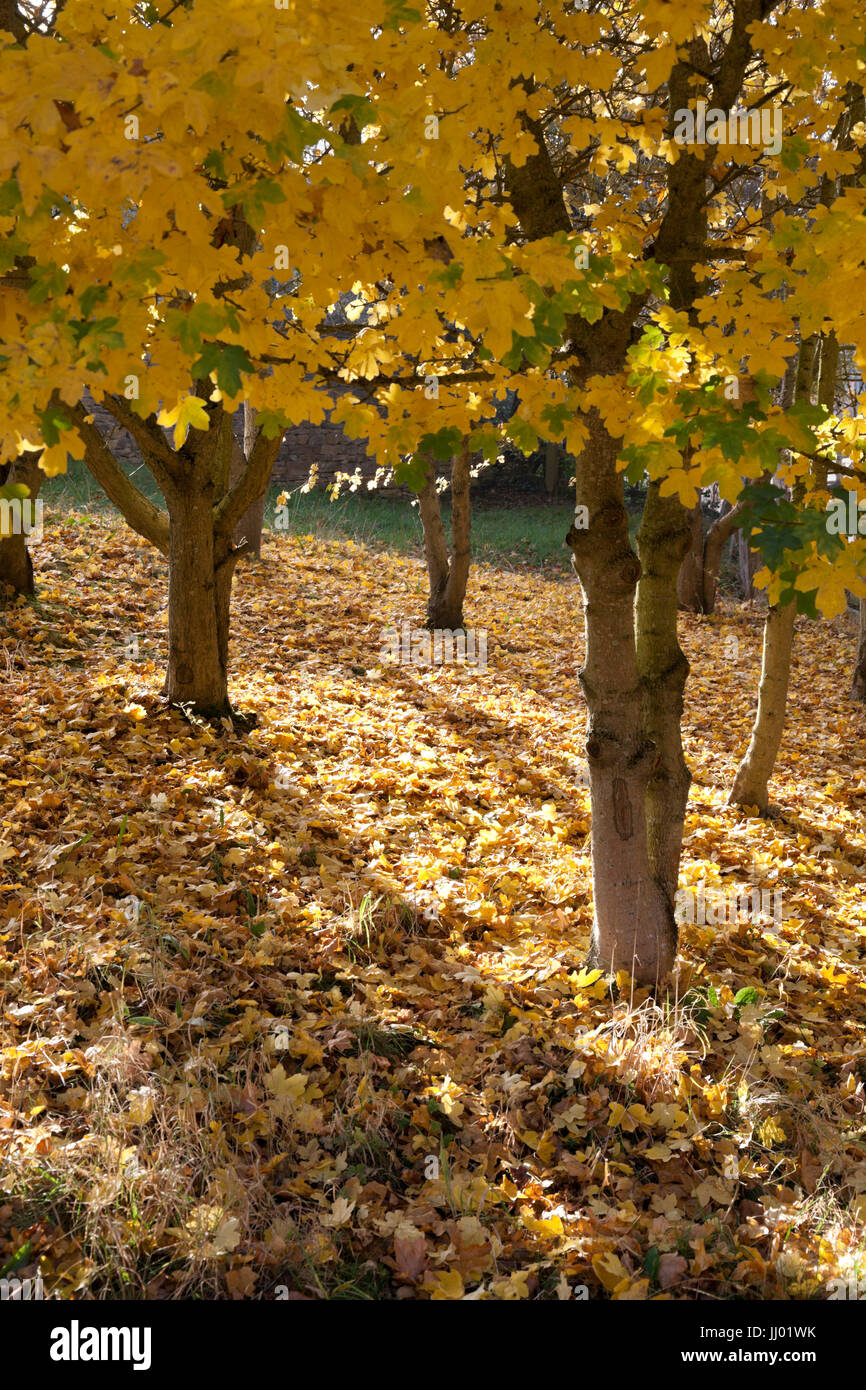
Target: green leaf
{"points": [[443, 445], [46, 281], [412, 472], [93, 295], [271, 423], [52, 421], [749, 995], [195, 323], [400, 13], [360, 107], [10, 197], [13, 492], [227, 362]]}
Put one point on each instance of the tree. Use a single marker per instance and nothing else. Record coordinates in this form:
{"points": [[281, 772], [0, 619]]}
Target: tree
{"points": [[751, 783], [528, 206], [159, 308], [448, 574], [649, 267]]}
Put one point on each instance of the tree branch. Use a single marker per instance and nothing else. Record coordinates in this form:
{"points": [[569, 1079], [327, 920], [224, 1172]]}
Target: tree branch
{"points": [[149, 521], [150, 440], [250, 485]]}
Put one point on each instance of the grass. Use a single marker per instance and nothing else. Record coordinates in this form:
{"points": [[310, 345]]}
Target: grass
{"points": [[531, 534]]}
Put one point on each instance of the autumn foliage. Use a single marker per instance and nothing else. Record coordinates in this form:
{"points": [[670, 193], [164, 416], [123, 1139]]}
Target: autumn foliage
{"points": [[331, 972]]}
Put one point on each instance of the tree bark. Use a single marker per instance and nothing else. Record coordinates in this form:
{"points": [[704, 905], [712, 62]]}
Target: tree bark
{"points": [[634, 927], [448, 574], [248, 531], [551, 468], [753, 775], [858, 687], [690, 580], [136, 509], [199, 592], [749, 563], [665, 534], [11, 21], [714, 548], [16, 566]]}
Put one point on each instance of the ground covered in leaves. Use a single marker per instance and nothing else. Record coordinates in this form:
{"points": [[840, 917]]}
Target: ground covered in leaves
{"points": [[302, 1013]]}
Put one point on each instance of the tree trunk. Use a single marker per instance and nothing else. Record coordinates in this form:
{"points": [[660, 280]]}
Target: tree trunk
{"points": [[749, 563], [448, 574], [858, 688], [249, 528], [200, 569], [714, 548], [551, 468], [690, 580], [16, 566], [634, 927], [753, 775], [751, 783], [665, 534]]}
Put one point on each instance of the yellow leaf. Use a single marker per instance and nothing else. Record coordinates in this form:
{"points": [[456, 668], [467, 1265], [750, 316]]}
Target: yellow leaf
{"points": [[771, 1132], [610, 1271], [189, 411], [551, 1226], [447, 1286], [586, 978]]}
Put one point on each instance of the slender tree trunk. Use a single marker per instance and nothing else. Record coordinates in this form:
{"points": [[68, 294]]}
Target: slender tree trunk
{"points": [[749, 563], [448, 573], [690, 580], [16, 566], [551, 468], [249, 528], [751, 783], [714, 548], [665, 534], [634, 927], [858, 687]]}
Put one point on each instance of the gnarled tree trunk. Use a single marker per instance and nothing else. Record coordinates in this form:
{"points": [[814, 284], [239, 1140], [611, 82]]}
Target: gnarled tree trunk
{"points": [[448, 573]]}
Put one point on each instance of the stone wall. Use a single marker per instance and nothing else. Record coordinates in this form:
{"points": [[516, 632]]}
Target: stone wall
{"points": [[326, 445]]}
